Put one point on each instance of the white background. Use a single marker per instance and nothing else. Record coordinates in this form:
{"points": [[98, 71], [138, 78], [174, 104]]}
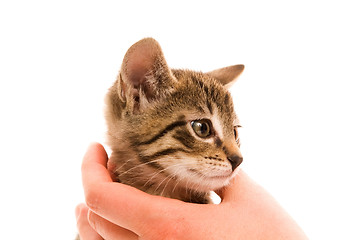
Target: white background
{"points": [[298, 99]]}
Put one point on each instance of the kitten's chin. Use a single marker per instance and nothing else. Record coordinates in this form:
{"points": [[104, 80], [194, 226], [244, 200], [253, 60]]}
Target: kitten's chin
{"points": [[202, 180], [209, 183], [213, 182]]}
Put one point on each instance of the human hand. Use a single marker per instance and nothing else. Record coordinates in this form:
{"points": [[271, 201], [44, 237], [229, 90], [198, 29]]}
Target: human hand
{"points": [[118, 211]]}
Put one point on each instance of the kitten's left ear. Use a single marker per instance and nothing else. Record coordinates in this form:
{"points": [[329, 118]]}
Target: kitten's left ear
{"points": [[144, 75], [227, 75]]}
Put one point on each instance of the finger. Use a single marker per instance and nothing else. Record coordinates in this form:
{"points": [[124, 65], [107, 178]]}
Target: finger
{"points": [[129, 207], [240, 188], [109, 230], [94, 165], [234, 191], [86, 232], [120, 204]]}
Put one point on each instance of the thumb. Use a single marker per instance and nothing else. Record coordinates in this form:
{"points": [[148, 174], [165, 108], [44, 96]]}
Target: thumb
{"points": [[239, 186]]}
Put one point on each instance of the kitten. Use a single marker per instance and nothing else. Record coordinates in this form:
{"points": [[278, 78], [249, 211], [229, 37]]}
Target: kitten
{"points": [[172, 132]]}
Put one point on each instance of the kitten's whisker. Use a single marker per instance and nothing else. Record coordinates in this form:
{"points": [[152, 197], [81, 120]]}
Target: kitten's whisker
{"points": [[175, 185], [137, 166], [120, 167], [170, 178], [177, 181], [155, 174], [163, 170], [161, 183], [188, 189]]}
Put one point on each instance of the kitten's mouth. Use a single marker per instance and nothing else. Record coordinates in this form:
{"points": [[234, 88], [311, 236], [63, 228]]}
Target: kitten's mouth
{"points": [[211, 182], [220, 177], [213, 177]]}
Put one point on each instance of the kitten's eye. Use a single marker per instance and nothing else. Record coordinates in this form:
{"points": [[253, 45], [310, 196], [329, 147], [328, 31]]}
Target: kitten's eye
{"points": [[202, 127], [235, 133], [235, 130]]}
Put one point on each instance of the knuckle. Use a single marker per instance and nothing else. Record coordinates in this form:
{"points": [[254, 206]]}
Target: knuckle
{"points": [[92, 198]]}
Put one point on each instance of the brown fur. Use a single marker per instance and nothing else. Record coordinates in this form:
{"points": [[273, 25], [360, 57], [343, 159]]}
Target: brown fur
{"points": [[149, 114]]}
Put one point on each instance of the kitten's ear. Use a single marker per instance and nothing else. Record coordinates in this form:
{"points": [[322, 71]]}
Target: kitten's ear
{"points": [[145, 75], [227, 75]]}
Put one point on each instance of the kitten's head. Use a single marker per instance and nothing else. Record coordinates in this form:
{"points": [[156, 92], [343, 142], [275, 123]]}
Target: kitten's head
{"points": [[178, 125]]}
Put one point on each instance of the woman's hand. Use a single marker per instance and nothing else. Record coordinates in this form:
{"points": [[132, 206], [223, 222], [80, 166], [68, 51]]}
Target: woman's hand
{"points": [[117, 211]]}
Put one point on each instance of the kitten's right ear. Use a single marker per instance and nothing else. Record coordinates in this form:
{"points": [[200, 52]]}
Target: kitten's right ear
{"points": [[144, 75], [227, 75]]}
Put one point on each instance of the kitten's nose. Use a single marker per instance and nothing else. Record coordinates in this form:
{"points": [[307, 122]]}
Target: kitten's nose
{"points": [[235, 161]]}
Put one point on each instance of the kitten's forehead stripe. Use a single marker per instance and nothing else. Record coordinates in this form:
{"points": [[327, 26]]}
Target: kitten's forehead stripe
{"points": [[200, 109], [209, 106]]}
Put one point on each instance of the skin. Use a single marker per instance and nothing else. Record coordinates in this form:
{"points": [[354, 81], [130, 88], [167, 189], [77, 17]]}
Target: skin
{"points": [[118, 211]]}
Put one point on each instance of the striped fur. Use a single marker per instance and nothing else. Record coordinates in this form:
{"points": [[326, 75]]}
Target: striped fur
{"points": [[149, 111]]}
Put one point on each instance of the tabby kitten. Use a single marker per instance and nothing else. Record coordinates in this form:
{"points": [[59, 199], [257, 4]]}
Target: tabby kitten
{"points": [[172, 132]]}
